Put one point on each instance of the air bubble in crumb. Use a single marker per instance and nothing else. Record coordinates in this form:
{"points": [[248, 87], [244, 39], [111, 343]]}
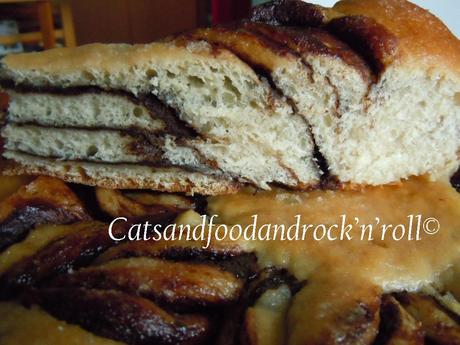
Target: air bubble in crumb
{"points": [[137, 112], [91, 151], [151, 73]]}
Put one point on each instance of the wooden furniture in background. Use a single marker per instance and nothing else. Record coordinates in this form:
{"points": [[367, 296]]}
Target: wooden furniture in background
{"points": [[227, 11], [44, 15], [136, 21], [67, 23], [40, 11]]}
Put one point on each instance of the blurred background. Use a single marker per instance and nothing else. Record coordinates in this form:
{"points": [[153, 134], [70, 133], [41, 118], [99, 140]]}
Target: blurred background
{"points": [[27, 25]]}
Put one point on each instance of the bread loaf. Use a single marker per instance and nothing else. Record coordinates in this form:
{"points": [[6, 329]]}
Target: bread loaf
{"points": [[367, 92]]}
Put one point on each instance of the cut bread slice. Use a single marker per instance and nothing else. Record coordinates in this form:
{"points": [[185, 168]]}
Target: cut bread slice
{"points": [[104, 145], [237, 125], [405, 119], [82, 110], [358, 93], [112, 146], [70, 144]]}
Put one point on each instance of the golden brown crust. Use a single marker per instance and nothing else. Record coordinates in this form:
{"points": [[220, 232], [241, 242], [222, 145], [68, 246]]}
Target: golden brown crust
{"points": [[422, 36], [384, 32], [373, 41], [106, 58], [44, 200], [118, 204], [397, 326], [39, 328], [138, 321], [175, 181], [258, 52], [306, 41], [176, 286], [180, 283]]}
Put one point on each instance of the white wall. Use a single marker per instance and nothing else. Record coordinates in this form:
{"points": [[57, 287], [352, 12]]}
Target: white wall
{"points": [[447, 10]]}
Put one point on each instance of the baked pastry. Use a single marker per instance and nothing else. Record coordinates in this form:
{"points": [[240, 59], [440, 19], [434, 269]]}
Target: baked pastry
{"points": [[358, 93], [228, 125], [74, 284], [363, 265]]}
